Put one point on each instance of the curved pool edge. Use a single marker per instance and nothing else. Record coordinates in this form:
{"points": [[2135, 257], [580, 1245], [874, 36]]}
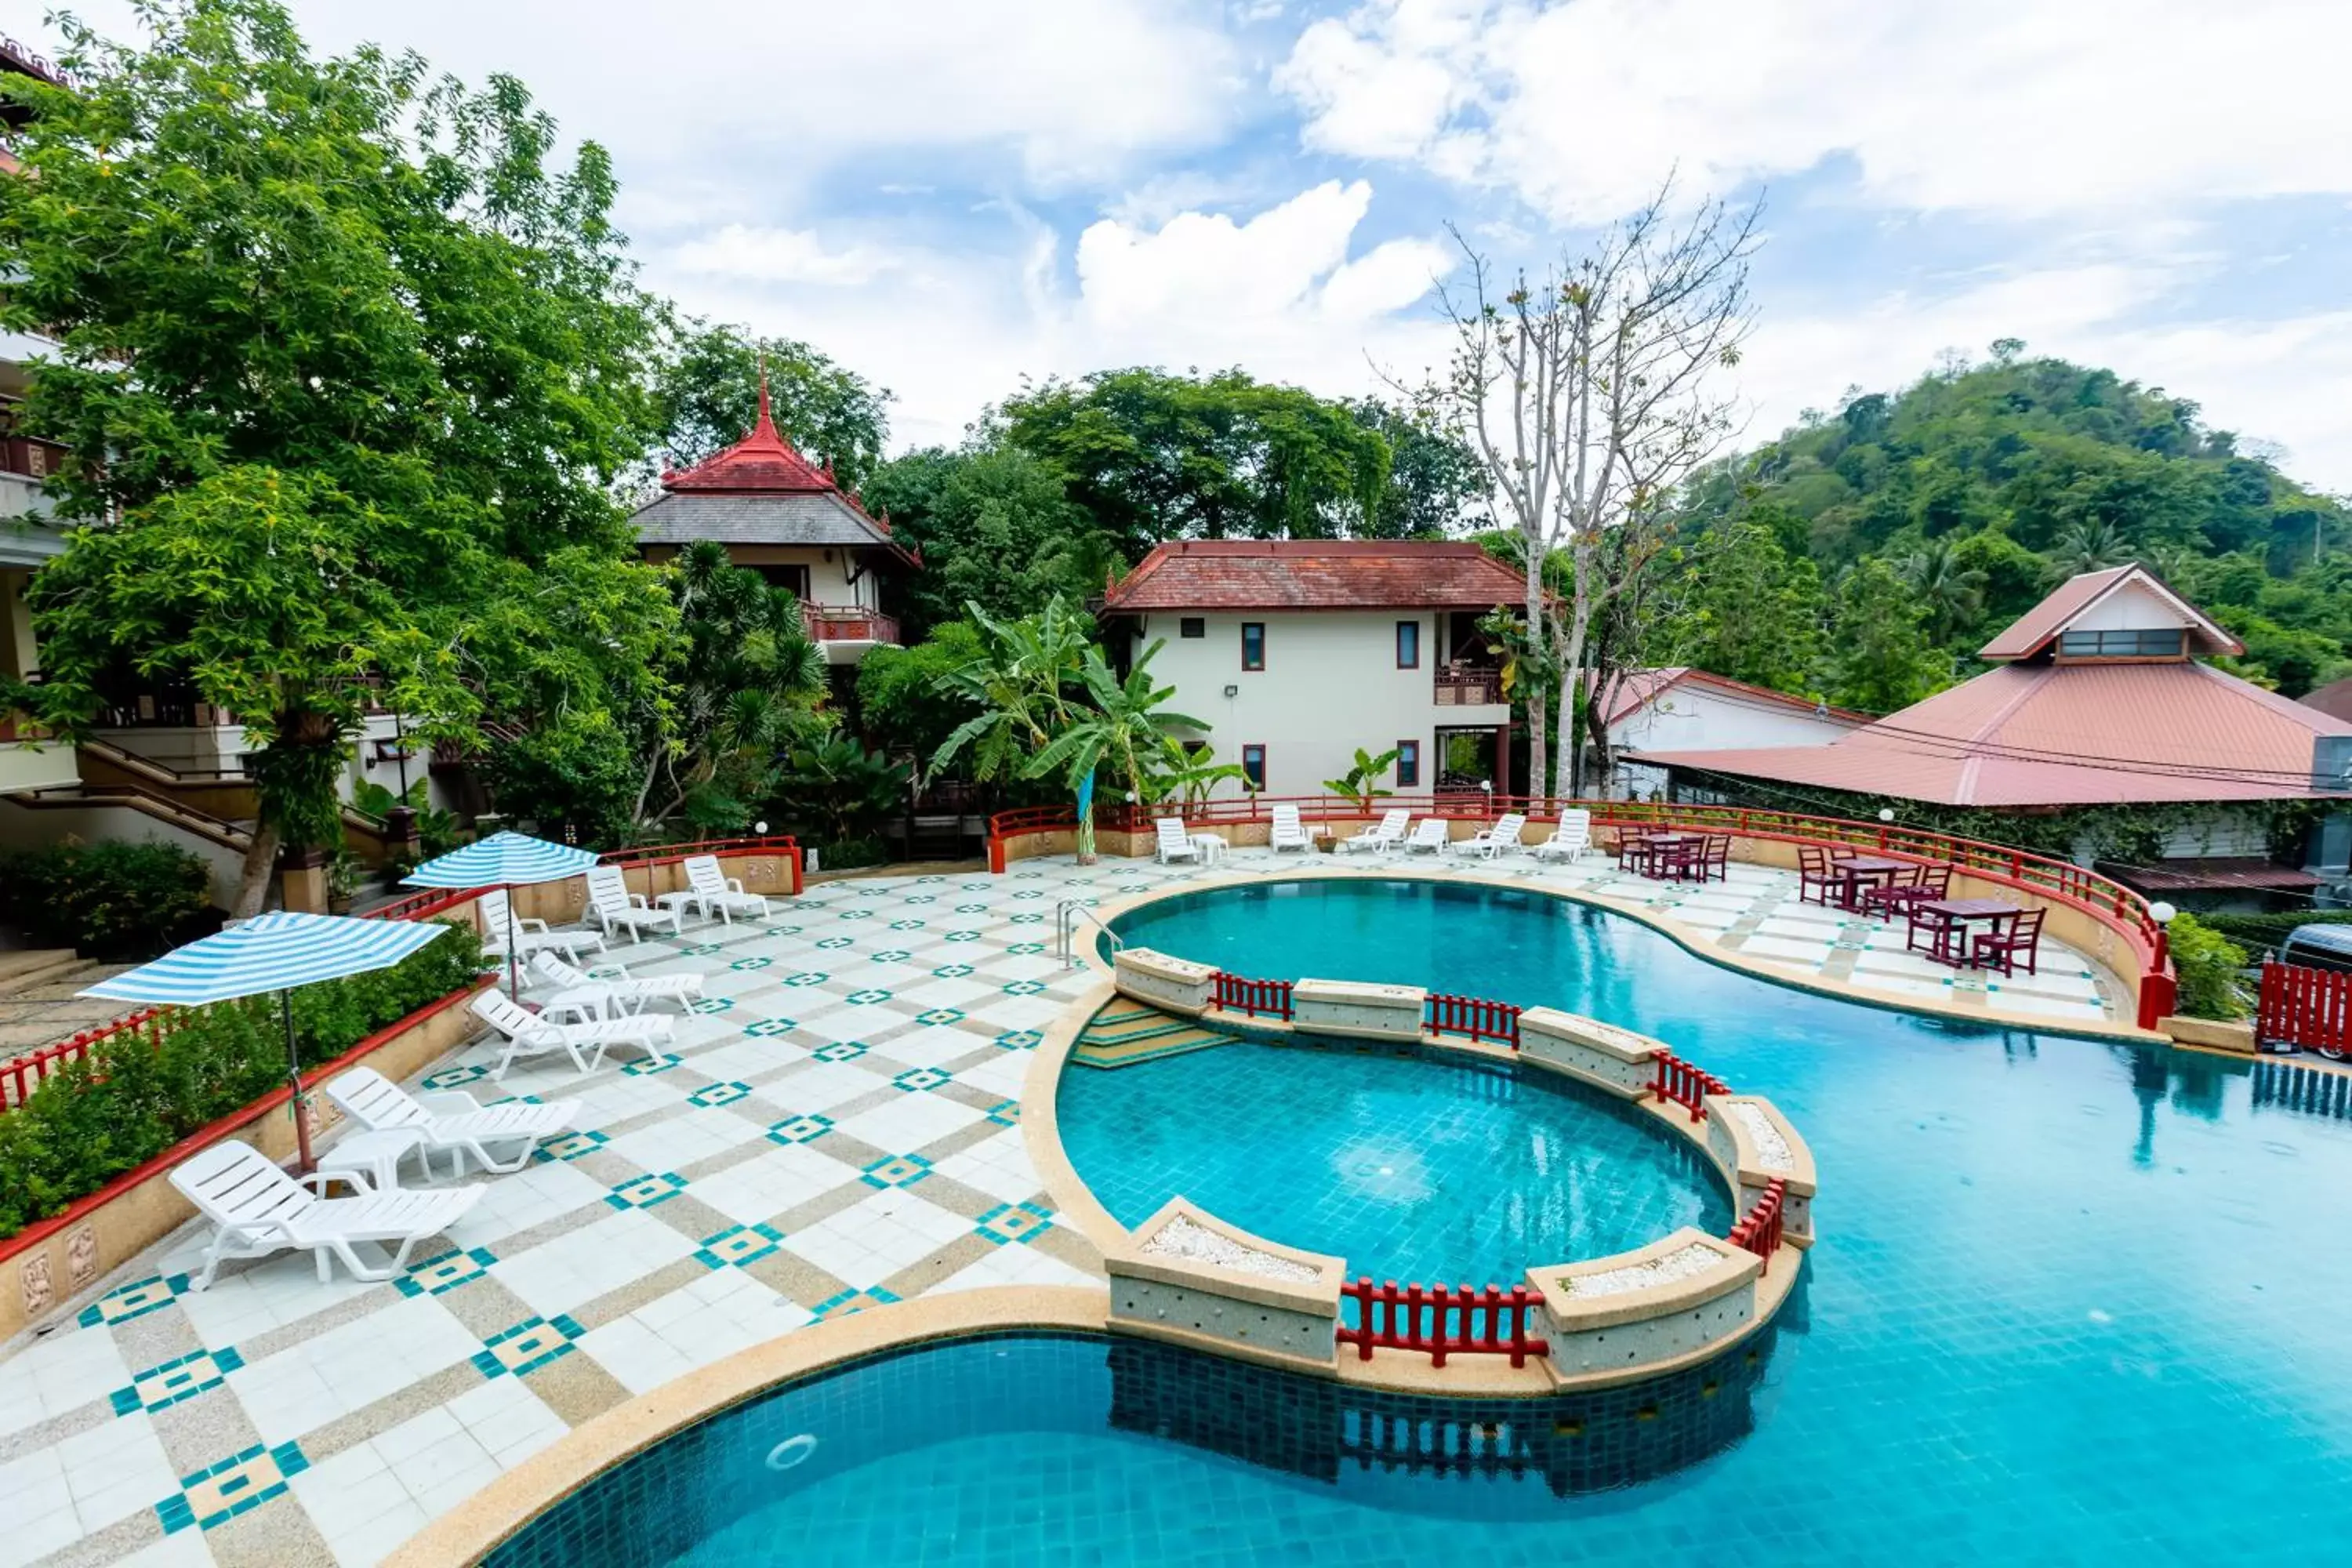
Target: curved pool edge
{"points": [[1861, 995], [503, 1510]]}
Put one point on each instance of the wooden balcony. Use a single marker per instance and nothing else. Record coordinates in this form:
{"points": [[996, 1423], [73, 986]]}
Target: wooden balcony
{"points": [[849, 623], [33, 458], [1464, 686]]}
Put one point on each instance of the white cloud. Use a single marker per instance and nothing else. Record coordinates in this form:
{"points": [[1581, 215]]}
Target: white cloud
{"points": [[780, 256], [2007, 106]]}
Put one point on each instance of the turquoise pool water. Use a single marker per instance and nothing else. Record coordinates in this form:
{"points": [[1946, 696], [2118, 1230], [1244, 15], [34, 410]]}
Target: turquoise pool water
{"points": [[1411, 1168], [2075, 1302]]}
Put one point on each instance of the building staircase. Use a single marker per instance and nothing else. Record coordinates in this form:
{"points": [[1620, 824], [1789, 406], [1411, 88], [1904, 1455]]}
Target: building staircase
{"points": [[1127, 1032]]}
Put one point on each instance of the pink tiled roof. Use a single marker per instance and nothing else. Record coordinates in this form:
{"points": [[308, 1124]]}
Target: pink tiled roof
{"points": [[2081, 734], [1315, 575], [2033, 630], [2335, 700], [762, 461], [1629, 692]]}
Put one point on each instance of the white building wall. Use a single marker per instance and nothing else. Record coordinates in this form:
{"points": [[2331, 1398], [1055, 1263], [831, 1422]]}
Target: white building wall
{"points": [[2131, 609], [1331, 685], [1691, 716]]}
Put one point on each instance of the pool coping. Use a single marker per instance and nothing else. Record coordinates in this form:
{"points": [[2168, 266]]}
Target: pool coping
{"points": [[509, 1505], [1867, 997]]}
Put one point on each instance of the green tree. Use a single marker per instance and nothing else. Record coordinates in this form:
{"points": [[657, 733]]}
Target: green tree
{"points": [[1121, 729], [706, 395], [1019, 688], [1360, 782], [2089, 544], [1154, 456], [1949, 589], [1747, 610], [838, 793], [1437, 486], [1880, 659], [905, 702], [347, 366], [996, 528]]}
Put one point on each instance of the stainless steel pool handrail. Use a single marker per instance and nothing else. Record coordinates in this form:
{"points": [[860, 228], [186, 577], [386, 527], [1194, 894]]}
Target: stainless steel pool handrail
{"points": [[1067, 915]]}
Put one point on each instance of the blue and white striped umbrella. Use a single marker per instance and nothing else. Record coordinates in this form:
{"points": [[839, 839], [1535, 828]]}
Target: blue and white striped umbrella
{"points": [[503, 861], [270, 953]]}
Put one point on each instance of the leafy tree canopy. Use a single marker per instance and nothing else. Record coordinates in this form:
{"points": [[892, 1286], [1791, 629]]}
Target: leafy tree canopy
{"points": [[347, 366], [706, 395], [996, 528]]}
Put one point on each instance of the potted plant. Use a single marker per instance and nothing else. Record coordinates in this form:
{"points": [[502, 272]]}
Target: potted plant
{"points": [[1357, 784]]}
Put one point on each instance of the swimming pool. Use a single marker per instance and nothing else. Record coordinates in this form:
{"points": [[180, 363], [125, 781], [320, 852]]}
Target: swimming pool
{"points": [[1411, 1167], [2075, 1301]]}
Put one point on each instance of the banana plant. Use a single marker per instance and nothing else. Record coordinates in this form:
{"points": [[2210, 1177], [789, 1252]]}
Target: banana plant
{"points": [[1357, 784]]}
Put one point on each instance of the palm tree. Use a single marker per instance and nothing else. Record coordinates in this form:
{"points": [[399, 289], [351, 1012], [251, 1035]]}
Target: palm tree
{"points": [[1948, 591], [1123, 731], [2089, 545]]}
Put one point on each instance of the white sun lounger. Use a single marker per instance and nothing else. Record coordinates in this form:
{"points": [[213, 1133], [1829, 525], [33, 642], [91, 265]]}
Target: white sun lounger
{"points": [[259, 1209], [528, 1035], [1382, 836], [1570, 839], [1288, 833], [1430, 833], [711, 891], [1174, 843], [607, 990], [1504, 834], [452, 1121], [610, 903], [531, 935]]}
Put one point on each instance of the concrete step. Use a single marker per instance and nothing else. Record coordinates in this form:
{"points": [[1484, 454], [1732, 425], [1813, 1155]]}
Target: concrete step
{"points": [[35, 966], [1125, 1033]]}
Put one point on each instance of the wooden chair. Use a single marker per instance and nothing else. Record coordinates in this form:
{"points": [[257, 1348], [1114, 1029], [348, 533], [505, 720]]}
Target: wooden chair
{"points": [[1918, 885], [2000, 947], [1713, 859], [1816, 881]]}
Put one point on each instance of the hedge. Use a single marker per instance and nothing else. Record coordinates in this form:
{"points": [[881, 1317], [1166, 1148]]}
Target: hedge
{"points": [[119, 902], [130, 1097], [2269, 930]]}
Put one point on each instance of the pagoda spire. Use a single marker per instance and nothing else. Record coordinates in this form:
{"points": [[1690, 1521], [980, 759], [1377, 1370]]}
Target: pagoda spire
{"points": [[766, 424]]}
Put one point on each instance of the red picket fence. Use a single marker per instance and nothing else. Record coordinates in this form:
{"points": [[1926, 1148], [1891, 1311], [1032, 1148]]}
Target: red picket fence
{"points": [[1236, 995], [1758, 1229], [1473, 1016], [2310, 1008], [1685, 1085], [1442, 1321], [21, 1076]]}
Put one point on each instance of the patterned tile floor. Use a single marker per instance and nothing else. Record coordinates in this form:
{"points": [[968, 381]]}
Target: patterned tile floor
{"points": [[837, 1125]]}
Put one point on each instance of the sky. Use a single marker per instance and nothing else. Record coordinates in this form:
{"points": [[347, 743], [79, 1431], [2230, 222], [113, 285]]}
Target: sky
{"points": [[952, 196]]}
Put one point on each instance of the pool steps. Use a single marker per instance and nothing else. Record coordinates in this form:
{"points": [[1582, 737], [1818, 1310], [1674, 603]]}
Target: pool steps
{"points": [[1126, 1033]]}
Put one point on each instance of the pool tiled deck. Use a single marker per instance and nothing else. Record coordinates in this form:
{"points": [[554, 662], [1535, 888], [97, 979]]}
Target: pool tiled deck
{"points": [[836, 1126]]}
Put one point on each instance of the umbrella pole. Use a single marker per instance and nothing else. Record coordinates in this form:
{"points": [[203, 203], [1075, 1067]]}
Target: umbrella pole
{"points": [[514, 982], [294, 1077]]}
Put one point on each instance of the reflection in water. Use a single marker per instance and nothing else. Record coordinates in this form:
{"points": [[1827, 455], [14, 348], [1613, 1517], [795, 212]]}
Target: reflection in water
{"points": [[2291, 1086]]}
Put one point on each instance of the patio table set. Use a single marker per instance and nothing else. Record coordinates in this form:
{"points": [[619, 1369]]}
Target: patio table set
{"points": [[1942, 927], [1669, 857]]}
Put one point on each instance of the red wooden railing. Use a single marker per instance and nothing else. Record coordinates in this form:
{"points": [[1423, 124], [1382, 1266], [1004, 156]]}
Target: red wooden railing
{"points": [[20, 1076], [1685, 1085], [1758, 1229], [2310, 1008], [1442, 1321], [1474, 1017], [2062, 882], [1236, 995]]}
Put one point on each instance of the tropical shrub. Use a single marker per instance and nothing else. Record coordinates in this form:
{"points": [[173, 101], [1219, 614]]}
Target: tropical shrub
{"points": [[138, 1093], [2208, 965], [114, 901], [835, 793]]}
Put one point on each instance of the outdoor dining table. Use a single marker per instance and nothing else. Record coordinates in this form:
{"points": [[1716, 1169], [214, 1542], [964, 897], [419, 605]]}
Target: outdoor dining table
{"points": [[1857, 872], [1656, 852], [1948, 922]]}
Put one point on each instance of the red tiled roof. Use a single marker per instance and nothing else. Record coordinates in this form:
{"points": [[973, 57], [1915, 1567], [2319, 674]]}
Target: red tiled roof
{"points": [[2202, 876], [1315, 575], [2033, 630], [1629, 692], [762, 461], [2078, 734]]}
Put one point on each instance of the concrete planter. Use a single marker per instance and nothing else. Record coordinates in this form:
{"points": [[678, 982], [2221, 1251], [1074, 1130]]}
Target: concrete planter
{"points": [[1264, 1301], [1602, 1055], [1754, 1144], [1350, 1008], [1603, 1318], [1176, 984]]}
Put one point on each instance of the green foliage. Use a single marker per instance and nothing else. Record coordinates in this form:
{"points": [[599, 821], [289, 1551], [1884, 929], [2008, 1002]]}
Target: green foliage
{"points": [[996, 529], [1437, 487], [1880, 659], [1358, 783], [904, 700], [1120, 729], [1018, 688], [706, 395], [835, 791], [2208, 965], [2268, 929], [438, 831], [128, 1100], [346, 367], [119, 902], [1751, 612], [2028, 469], [1154, 456]]}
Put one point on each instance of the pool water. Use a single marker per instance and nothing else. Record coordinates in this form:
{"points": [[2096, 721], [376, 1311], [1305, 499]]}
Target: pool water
{"points": [[1411, 1168], [2074, 1301]]}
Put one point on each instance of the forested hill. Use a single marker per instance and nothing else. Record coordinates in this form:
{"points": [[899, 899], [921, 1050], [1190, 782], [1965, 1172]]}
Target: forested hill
{"points": [[1956, 503]]}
